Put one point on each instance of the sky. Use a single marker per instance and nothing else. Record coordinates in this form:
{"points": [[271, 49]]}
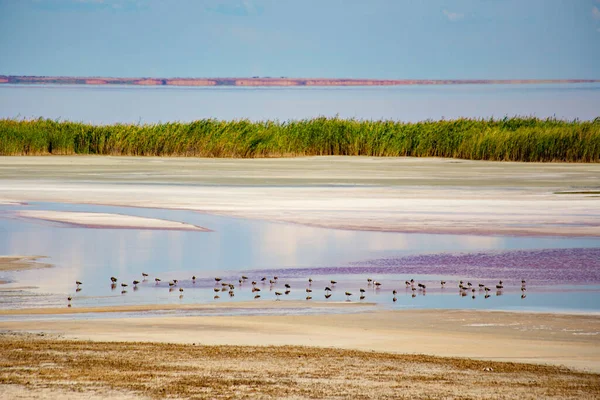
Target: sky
{"points": [[379, 39]]}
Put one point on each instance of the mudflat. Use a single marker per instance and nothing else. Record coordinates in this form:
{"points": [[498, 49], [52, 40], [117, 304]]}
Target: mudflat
{"points": [[390, 194]]}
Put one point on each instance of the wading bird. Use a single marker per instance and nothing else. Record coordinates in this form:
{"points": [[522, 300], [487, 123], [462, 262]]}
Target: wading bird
{"points": [[135, 283], [308, 298], [327, 295], [113, 279], [277, 294], [348, 294], [78, 283], [257, 296], [144, 275]]}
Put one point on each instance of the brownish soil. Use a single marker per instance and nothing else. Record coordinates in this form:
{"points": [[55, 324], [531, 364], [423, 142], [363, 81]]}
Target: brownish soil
{"points": [[41, 366]]}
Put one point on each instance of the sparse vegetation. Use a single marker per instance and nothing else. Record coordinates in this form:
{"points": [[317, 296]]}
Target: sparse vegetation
{"points": [[163, 370], [509, 139]]}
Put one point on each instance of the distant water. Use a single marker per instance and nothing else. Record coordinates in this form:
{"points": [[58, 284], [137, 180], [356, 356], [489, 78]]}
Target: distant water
{"points": [[133, 104]]}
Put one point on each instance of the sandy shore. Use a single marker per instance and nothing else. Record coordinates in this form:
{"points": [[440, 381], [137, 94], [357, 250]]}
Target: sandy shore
{"points": [[390, 194], [106, 220], [36, 366], [20, 263], [568, 340]]}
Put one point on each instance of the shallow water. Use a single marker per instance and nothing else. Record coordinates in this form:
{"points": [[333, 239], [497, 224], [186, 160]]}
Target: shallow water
{"points": [[131, 104], [562, 273]]}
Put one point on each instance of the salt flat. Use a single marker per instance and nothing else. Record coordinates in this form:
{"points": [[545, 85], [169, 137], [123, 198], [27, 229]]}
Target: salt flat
{"points": [[390, 194]]}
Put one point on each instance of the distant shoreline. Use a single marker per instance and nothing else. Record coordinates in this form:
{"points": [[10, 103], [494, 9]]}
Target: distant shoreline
{"points": [[268, 81]]}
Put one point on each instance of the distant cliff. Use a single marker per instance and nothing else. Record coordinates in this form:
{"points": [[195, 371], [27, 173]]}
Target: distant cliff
{"points": [[265, 81]]}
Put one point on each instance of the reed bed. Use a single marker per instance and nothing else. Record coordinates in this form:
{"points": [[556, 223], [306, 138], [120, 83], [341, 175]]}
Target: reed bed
{"points": [[509, 139]]}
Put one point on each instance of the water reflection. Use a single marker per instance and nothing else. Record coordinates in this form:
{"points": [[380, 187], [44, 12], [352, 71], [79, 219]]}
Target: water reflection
{"points": [[92, 256]]}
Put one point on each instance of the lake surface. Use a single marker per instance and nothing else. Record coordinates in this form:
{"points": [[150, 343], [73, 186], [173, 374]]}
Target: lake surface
{"points": [[132, 104], [562, 273]]}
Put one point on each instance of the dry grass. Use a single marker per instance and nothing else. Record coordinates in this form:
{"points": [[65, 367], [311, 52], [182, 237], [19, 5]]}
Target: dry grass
{"points": [[160, 370]]}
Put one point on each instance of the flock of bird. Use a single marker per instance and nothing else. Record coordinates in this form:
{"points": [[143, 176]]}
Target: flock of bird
{"points": [[222, 286]]}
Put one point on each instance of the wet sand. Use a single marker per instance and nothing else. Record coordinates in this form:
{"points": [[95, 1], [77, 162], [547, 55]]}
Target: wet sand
{"points": [[21, 263], [106, 220], [390, 194]]}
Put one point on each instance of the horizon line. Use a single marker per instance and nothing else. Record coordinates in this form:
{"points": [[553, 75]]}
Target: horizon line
{"points": [[264, 81]]}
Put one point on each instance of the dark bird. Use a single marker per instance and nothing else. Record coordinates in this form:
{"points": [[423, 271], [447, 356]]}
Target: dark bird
{"points": [[255, 289], [240, 281], [327, 295], [277, 294], [217, 279], [275, 277], [327, 289], [181, 289], [348, 294], [394, 292], [171, 283], [145, 275], [287, 285], [135, 282], [499, 287], [308, 290], [523, 295], [308, 298], [244, 277], [157, 280], [377, 284], [123, 284], [113, 279], [216, 289], [287, 292], [175, 281], [394, 299], [77, 283], [333, 283], [310, 281], [362, 297], [443, 283], [216, 297], [194, 278], [253, 283], [69, 298], [362, 290], [264, 278], [257, 296]]}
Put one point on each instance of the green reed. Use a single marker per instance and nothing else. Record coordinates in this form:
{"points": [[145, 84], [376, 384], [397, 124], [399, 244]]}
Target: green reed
{"points": [[508, 139]]}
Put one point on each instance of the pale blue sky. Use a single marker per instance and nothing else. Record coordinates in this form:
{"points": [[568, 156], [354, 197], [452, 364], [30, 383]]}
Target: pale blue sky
{"points": [[430, 39]]}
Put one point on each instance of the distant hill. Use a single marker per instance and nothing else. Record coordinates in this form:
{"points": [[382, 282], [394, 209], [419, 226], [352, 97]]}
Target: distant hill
{"points": [[266, 81]]}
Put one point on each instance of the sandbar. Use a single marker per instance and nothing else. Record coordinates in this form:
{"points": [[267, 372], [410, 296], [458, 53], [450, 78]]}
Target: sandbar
{"points": [[107, 220], [20, 263]]}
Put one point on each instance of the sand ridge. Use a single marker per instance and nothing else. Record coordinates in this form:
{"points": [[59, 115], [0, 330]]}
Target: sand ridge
{"points": [[108, 220]]}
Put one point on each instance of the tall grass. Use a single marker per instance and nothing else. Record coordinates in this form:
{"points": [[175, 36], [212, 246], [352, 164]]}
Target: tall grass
{"points": [[509, 139]]}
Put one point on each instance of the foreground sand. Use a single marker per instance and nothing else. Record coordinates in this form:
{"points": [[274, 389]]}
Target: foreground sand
{"points": [[106, 220], [49, 367], [568, 340], [391, 194]]}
